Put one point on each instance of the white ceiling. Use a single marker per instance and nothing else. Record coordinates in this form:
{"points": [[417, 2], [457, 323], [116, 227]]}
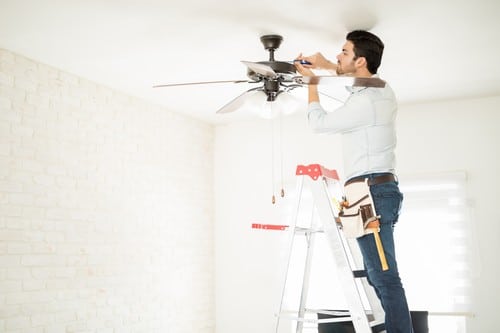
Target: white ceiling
{"points": [[435, 49]]}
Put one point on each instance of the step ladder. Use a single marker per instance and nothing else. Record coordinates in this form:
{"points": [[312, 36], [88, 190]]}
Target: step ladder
{"points": [[326, 191]]}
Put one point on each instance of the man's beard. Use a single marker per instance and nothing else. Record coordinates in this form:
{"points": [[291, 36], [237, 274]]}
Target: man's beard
{"points": [[341, 71]]}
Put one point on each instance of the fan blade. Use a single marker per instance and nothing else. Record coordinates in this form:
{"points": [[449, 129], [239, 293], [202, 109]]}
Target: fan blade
{"points": [[261, 69], [241, 100], [196, 83], [342, 80]]}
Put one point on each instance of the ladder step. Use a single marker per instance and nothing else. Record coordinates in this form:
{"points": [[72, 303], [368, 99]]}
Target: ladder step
{"points": [[301, 230], [378, 325], [359, 273], [331, 321]]}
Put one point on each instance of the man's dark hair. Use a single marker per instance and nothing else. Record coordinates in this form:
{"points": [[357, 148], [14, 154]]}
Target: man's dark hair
{"points": [[367, 45]]}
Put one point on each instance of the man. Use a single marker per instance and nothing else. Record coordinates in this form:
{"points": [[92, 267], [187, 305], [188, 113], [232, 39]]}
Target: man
{"points": [[366, 125]]}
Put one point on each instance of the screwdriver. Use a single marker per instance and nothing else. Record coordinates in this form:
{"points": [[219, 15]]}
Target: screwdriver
{"points": [[301, 61]]}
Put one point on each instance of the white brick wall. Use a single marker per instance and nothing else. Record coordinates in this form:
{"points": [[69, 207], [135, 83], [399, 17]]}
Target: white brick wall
{"points": [[106, 209]]}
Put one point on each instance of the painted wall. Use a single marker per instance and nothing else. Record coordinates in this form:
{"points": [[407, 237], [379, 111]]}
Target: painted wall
{"points": [[106, 209], [435, 137]]}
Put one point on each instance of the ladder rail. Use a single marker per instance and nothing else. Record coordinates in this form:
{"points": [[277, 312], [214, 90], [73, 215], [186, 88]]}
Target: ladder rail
{"points": [[310, 238], [372, 298], [344, 269], [292, 232]]}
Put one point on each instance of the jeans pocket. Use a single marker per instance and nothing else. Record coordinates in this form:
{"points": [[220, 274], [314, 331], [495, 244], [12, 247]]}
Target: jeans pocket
{"points": [[387, 200]]}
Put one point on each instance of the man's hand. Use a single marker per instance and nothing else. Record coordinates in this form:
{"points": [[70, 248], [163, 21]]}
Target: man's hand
{"points": [[305, 70], [318, 61]]}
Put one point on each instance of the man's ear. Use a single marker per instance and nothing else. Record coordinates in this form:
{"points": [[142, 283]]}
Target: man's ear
{"points": [[360, 62]]}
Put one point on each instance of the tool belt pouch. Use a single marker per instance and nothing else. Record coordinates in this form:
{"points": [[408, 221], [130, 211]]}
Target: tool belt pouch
{"points": [[358, 210]]}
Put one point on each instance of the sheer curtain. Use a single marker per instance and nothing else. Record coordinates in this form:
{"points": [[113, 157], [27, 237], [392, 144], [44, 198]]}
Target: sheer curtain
{"points": [[436, 247]]}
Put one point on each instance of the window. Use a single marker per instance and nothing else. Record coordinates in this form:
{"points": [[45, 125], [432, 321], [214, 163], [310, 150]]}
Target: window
{"points": [[436, 247]]}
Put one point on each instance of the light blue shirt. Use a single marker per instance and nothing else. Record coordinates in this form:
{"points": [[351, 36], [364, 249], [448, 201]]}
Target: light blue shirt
{"points": [[366, 122]]}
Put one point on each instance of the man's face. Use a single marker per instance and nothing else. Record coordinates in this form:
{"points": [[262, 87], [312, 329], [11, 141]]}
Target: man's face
{"points": [[345, 59]]}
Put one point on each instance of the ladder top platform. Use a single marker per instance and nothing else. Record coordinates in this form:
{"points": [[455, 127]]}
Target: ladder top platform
{"points": [[316, 170]]}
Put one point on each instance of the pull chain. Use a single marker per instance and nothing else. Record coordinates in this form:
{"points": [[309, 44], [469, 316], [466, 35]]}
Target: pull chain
{"points": [[281, 154], [273, 154]]}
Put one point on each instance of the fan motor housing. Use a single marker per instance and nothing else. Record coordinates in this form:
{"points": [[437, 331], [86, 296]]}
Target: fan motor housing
{"points": [[271, 42]]}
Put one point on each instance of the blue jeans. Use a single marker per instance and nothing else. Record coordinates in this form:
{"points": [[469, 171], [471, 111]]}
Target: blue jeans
{"points": [[387, 284]]}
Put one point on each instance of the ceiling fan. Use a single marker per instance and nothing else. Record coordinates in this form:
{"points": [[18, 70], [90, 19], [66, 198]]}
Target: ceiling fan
{"points": [[278, 77]]}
